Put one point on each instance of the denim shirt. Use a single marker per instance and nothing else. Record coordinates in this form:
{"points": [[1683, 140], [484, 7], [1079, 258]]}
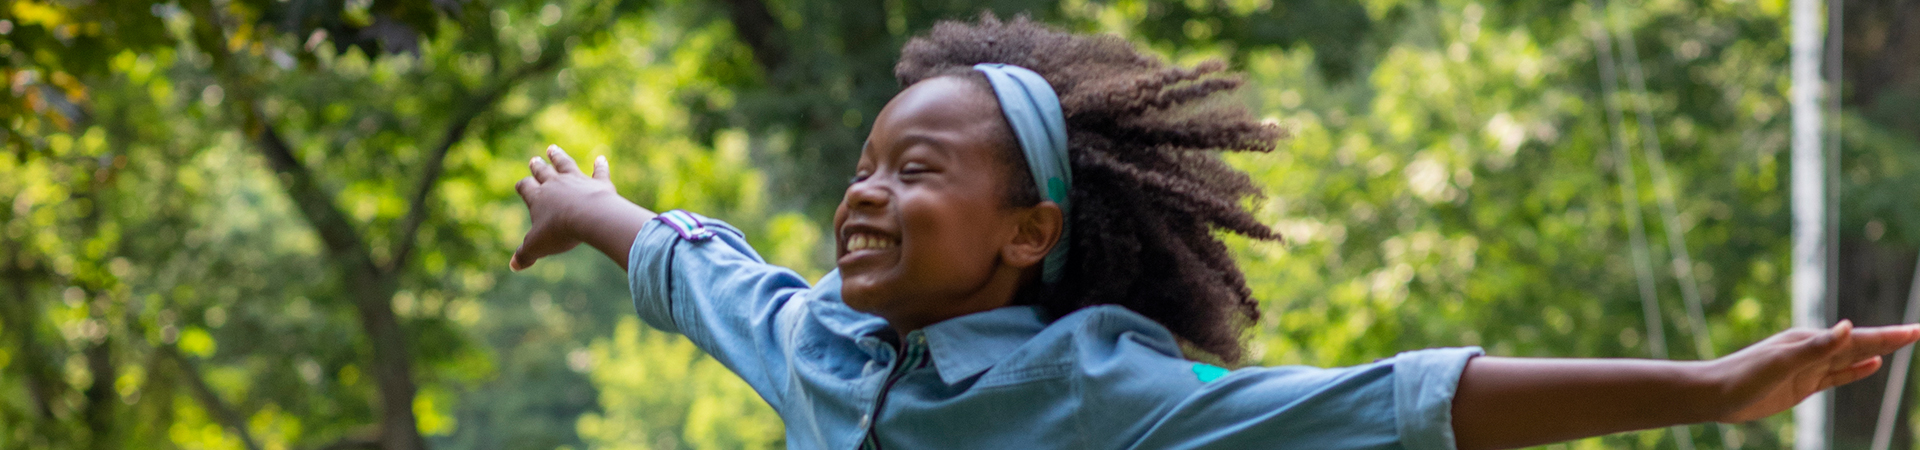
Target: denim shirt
{"points": [[1102, 377]]}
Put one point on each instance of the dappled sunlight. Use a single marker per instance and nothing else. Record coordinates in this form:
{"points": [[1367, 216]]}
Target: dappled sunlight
{"points": [[298, 236]]}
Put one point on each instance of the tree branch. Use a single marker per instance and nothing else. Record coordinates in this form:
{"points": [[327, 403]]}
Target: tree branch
{"points": [[338, 234], [371, 285], [201, 391], [372, 290], [208, 398], [463, 117]]}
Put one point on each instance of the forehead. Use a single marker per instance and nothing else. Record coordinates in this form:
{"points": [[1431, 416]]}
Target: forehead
{"points": [[949, 110]]}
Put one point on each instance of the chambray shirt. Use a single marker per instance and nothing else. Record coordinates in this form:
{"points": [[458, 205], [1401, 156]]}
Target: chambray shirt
{"points": [[1102, 377]]}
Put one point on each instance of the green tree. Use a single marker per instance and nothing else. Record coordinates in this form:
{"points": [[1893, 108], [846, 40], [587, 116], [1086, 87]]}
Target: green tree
{"points": [[265, 224], [357, 109]]}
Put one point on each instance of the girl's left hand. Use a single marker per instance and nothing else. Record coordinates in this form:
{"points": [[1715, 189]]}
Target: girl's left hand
{"points": [[1777, 373], [561, 200]]}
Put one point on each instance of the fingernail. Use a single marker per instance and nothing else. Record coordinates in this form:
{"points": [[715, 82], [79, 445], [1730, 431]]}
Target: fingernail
{"points": [[535, 160], [601, 160], [551, 148]]}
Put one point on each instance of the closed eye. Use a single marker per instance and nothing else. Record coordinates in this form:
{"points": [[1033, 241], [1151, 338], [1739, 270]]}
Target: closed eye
{"points": [[914, 168]]}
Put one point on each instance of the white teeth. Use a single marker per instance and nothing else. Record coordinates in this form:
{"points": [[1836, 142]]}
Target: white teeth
{"points": [[867, 241]]}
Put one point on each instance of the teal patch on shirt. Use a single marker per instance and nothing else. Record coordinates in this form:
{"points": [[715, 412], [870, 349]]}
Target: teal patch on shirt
{"points": [[1207, 372]]}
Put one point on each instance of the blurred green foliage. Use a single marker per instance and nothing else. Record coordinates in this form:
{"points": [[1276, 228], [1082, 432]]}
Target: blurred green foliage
{"points": [[284, 224]]}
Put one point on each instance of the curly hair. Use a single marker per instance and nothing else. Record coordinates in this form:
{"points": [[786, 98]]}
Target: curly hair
{"points": [[1149, 187]]}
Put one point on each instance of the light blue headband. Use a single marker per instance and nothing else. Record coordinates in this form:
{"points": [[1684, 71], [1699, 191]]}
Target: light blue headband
{"points": [[1033, 109]]}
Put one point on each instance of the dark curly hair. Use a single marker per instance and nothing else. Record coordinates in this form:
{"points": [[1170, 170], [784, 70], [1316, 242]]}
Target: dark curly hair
{"points": [[1149, 189]]}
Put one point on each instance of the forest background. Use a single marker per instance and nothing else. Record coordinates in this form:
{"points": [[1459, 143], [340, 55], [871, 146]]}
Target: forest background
{"points": [[284, 224]]}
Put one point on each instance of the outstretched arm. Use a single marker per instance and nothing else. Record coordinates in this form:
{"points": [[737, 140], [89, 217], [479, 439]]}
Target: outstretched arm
{"points": [[1517, 402], [568, 207]]}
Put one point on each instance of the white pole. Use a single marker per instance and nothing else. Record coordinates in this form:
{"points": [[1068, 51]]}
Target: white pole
{"points": [[1890, 398], [1811, 417]]}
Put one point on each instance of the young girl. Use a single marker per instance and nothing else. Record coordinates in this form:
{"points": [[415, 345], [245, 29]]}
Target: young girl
{"points": [[1025, 246]]}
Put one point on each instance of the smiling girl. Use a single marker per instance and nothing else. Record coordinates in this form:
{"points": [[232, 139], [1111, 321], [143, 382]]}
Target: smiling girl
{"points": [[1025, 247]]}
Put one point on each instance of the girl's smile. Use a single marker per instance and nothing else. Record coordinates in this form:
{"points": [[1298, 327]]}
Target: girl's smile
{"points": [[863, 241]]}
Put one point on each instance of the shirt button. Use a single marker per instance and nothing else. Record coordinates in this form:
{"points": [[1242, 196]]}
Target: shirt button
{"points": [[865, 420]]}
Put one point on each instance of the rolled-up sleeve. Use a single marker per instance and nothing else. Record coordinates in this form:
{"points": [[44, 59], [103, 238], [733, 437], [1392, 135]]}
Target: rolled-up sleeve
{"points": [[1401, 402], [714, 289], [1424, 383]]}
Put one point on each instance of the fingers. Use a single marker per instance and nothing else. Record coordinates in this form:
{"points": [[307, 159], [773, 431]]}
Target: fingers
{"points": [[1854, 372], [561, 161], [541, 171], [600, 171], [525, 188], [1882, 340], [1870, 342]]}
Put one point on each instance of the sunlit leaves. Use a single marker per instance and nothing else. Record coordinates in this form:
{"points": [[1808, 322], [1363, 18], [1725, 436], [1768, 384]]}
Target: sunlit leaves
{"points": [[1445, 183], [1460, 195], [708, 408]]}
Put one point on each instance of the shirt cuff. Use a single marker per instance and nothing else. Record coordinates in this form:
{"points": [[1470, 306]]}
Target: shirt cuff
{"points": [[1424, 385], [648, 266]]}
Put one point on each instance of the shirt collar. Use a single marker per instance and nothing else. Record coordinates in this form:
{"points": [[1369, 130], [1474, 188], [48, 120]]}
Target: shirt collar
{"points": [[967, 345], [961, 347]]}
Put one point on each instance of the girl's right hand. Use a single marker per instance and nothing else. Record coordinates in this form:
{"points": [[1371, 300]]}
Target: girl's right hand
{"points": [[1777, 373], [1519, 402]]}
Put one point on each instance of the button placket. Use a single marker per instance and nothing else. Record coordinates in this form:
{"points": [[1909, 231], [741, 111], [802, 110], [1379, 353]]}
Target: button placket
{"points": [[910, 356]]}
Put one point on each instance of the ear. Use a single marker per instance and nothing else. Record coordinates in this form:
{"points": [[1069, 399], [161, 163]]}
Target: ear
{"points": [[1037, 230]]}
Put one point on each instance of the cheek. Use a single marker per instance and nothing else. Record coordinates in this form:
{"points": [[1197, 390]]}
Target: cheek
{"points": [[839, 219], [952, 238]]}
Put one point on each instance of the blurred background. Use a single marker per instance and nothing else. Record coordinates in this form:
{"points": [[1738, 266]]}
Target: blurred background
{"points": [[285, 224]]}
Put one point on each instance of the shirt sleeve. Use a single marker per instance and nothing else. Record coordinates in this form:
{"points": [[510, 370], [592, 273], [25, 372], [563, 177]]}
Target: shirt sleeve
{"points": [[698, 277], [1400, 402]]}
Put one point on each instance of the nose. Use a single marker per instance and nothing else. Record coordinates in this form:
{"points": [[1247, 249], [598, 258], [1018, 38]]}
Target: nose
{"points": [[867, 194]]}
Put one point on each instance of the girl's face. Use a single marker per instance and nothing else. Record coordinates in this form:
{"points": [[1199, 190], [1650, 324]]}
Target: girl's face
{"points": [[923, 233]]}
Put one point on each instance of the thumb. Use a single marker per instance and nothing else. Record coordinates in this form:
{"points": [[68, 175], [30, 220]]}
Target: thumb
{"points": [[1827, 341], [523, 257], [600, 171], [1840, 333], [518, 263]]}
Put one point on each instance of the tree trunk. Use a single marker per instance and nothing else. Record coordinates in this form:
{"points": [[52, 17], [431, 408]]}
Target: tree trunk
{"points": [[392, 361], [1880, 58], [20, 316], [100, 394], [1875, 278]]}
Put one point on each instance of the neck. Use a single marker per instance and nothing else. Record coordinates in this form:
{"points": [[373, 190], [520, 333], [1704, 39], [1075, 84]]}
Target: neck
{"points": [[997, 291]]}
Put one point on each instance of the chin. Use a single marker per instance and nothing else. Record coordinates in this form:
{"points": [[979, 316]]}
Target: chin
{"points": [[858, 294]]}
